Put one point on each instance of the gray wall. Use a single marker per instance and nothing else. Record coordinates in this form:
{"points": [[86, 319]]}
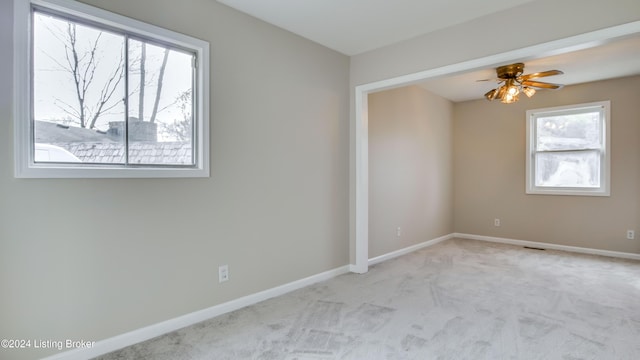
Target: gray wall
{"points": [[90, 259], [489, 173], [410, 168]]}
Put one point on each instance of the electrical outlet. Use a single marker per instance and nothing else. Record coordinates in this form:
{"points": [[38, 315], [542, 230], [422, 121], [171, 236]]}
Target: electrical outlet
{"points": [[398, 231], [496, 222], [223, 273], [631, 234]]}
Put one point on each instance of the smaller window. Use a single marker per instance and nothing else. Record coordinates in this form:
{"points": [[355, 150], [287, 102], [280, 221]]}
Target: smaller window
{"points": [[568, 150]]}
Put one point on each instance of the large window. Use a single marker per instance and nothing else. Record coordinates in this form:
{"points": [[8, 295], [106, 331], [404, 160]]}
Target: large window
{"points": [[568, 150], [102, 95]]}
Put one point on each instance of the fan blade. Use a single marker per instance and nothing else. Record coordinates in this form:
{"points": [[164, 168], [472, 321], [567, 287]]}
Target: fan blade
{"points": [[494, 79], [541, 74], [542, 85], [491, 94]]}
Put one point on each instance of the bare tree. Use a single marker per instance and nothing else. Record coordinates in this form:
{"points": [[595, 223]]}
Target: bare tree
{"points": [[182, 128], [97, 85], [82, 66], [154, 112], [144, 82]]}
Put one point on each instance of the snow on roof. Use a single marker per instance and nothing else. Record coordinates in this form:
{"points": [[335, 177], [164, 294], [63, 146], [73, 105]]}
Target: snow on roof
{"points": [[92, 146], [49, 132], [165, 153]]}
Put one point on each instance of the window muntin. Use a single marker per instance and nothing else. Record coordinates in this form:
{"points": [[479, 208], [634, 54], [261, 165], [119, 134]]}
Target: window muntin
{"points": [[568, 150], [83, 61]]}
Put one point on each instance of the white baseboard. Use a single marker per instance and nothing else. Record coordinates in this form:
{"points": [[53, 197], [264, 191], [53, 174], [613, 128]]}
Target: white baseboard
{"points": [[410, 249], [355, 269], [549, 246], [127, 339]]}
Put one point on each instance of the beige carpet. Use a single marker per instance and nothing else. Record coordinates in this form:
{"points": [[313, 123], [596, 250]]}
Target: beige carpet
{"points": [[460, 299]]}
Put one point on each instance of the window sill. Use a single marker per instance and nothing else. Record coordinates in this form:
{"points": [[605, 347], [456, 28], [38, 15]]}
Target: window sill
{"points": [[60, 171], [568, 192]]}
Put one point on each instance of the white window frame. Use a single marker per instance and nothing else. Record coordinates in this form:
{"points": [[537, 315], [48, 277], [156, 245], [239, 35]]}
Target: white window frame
{"points": [[25, 167], [605, 154]]}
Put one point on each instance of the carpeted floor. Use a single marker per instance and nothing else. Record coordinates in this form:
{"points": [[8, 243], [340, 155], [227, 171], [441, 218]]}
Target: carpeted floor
{"points": [[460, 299]]}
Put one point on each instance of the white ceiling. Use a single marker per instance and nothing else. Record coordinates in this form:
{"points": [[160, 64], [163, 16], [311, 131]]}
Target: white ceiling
{"points": [[615, 59], [355, 26]]}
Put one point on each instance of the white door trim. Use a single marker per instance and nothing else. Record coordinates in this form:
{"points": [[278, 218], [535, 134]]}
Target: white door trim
{"points": [[360, 137]]}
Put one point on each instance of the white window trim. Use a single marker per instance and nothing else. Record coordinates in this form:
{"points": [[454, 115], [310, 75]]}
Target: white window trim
{"points": [[605, 160], [24, 164]]}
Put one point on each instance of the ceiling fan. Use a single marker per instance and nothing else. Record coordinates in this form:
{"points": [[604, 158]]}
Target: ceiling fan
{"points": [[513, 82]]}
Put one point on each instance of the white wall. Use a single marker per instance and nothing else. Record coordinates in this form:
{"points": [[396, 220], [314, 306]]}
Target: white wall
{"points": [[90, 259], [410, 168]]}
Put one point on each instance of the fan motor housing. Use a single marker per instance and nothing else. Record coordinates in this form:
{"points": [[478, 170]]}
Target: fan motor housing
{"points": [[510, 71]]}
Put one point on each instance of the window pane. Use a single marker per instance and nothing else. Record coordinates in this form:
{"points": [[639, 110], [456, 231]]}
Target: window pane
{"points": [[160, 105], [78, 89], [569, 132], [568, 169]]}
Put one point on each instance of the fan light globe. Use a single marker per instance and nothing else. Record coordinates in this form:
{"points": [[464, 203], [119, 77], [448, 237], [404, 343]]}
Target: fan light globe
{"points": [[529, 91], [509, 99], [512, 90]]}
